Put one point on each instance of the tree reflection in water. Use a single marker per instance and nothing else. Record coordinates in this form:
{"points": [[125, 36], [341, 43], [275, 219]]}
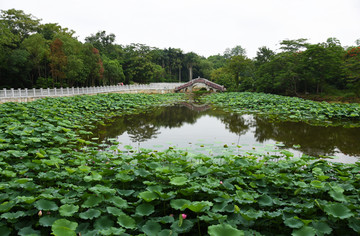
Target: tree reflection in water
{"points": [[314, 140]]}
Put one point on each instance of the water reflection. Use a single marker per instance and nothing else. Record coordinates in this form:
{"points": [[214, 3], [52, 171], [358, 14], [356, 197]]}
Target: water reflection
{"points": [[184, 123]]}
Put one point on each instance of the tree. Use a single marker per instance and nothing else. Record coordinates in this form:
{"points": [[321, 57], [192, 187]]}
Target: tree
{"points": [[352, 69], [39, 51], [19, 23], [51, 30], [263, 55], [58, 61], [191, 59], [238, 67], [113, 71], [102, 41], [293, 45], [235, 51]]}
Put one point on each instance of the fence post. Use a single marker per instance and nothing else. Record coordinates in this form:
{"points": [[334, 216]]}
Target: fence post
{"points": [[41, 92], [12, 92], [5, 92], [34, 92], [26, 92]]}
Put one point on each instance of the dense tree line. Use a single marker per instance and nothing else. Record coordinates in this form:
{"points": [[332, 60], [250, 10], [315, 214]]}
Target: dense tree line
{"points": [[47, 55]]}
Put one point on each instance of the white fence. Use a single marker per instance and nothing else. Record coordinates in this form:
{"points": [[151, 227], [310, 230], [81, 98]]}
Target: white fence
{"points": [[53, 92]]}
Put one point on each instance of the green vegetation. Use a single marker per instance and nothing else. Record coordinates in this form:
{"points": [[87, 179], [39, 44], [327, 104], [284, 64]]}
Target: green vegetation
{"points": [[53, 181], [46, 55], [289, 108]]}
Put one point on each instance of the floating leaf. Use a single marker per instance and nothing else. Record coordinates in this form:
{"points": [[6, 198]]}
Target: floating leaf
{"points": [[148, 196], [90, 214], [304, 231], [126, 221], [321, 228], [63, 227], [118, 202], [293, 223], [178, 180], [338, 210], [151, 228], [28, 231], [68, 210], [145, 209], [265, 200], [46, 205], [224, 229], [92, 201], [178, 204]]}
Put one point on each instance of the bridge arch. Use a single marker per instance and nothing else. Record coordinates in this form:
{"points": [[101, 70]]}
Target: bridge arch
{"points": [[198, 84]]}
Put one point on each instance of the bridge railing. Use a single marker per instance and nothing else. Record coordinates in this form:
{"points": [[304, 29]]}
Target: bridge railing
{"points": [[53, 92]]}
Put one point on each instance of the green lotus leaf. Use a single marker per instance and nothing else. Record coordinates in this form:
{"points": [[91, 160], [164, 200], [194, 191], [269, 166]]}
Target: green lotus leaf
{"points": [[90, 214], [321, 228], [151, 228], [47, 220], [112, 231], [92, 201], [224, 229], [28, 231], [317, 184], [118, 202], [124, 177], [63, 227], [103, 222], [338, 196], [68, 210], [114, 211], [304, 231], [142, 172], [354, 223], [165, 232], [338, 210], [185, 227], [252, 214], [265, 200], [199, 206], [99, 189], [178, 204], [148, 196], [46, 205], [293, 223], [203, 170], [6, 206], [179, 180], [126, 221], [145, 209], [25, 199], [12, 215], [95, 176]]}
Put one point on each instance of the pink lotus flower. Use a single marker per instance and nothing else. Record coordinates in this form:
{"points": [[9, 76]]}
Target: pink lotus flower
{"points": [[183, 216], [40, 213], [221, 182]]}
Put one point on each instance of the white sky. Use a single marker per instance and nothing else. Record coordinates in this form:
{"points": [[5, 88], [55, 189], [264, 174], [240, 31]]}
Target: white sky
{"points": [[206, 27]]}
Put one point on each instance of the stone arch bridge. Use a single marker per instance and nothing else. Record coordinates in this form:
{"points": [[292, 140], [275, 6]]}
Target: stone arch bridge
{"points": [[198, 84]]}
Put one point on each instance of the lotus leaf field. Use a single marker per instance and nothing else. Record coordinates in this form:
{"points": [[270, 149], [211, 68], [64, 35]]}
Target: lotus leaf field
{"points": [[53, 181]]}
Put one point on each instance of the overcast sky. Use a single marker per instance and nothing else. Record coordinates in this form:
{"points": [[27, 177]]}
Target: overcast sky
{"points": [[206, 27]]}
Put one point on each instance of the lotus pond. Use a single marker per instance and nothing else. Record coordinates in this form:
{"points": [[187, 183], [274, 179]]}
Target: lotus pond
{"points": [[55, 180]]}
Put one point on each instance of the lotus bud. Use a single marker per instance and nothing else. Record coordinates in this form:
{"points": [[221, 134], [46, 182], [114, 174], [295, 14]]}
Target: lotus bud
{"points": [[40, 213], [183, 216]]}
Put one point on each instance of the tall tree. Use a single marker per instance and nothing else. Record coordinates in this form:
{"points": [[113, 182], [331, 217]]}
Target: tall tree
{"points": [[58, 61], [20, 23]]}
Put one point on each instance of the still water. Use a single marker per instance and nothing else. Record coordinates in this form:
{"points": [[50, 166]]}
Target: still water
{"points": [[202, 129]]}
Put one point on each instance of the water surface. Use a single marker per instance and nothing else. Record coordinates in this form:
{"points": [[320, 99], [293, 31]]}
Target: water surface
{"points": [[199, 128]]}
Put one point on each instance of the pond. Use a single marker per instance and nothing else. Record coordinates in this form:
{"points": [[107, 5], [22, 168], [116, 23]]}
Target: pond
{"points": [[202, 129]]}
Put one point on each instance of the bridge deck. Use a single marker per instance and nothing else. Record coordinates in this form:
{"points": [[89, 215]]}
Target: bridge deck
{"points": [[201, 81]]}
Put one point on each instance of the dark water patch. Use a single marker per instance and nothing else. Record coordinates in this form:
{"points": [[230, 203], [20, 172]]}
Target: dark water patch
{"points": [[199, 128]]}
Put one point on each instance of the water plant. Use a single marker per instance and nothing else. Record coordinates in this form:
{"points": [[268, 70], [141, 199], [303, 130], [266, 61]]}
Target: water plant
{"points": [[288, 108], [54, 181]]}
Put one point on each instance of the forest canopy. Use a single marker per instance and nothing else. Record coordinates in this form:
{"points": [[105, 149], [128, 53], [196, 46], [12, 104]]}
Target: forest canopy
{"points": [[37, 55]]}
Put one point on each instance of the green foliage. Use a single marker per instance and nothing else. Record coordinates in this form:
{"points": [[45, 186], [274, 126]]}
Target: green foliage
{"points": [[289, 108], [55, 181]]}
